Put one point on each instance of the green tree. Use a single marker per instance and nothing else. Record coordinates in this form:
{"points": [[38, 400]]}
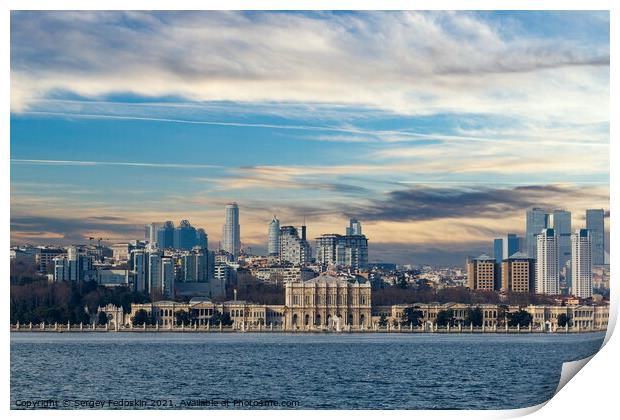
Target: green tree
{"points": [[102, 318], [445, 317], [141, 317], [183, 318], [521, 318], [383, 320], [474, 316], [412, 316], [563, 320]]}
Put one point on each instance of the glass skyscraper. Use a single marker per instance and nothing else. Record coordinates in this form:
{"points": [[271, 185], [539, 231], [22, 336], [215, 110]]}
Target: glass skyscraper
{"points": [[595, 223], [561, 223], [231, 242], [165, 235], [273, 237], [536, 220]]}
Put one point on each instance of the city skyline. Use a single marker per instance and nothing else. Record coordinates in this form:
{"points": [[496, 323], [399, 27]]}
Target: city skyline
{"points": [[439, 155]]}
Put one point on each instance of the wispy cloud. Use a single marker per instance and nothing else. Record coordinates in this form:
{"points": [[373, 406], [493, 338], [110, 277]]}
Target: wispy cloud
{"points": [[98, 163]]}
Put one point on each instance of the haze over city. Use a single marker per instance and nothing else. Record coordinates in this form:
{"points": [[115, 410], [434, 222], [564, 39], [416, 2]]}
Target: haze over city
{"points": [[139, 117]]}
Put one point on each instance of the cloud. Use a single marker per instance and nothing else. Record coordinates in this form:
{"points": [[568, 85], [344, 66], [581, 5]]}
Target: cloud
{"points": [[404, 62]]}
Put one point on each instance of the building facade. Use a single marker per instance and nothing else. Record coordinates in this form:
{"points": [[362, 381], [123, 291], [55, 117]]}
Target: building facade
{"points": [[482, 273], [345, 251], [518, 273], [294, 248], [581, 263], [231, 231], [327, 301], [547, 263], [273, 238], [536, 219], [595, 223]]}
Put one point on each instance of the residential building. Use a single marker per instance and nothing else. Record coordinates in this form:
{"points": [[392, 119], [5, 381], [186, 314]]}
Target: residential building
{"points": [[547, 263], [346, 251], [294, 248], [581, 263]]}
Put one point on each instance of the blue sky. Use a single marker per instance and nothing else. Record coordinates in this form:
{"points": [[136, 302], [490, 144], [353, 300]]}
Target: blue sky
{"points": [[435, 129]]}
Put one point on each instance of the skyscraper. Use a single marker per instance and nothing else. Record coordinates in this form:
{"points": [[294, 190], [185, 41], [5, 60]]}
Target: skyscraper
{"points": [[547, 263], [348, 250], [510, 245], [273, 237], [581, 263], [498, 250], [595, 223], [536, 219], [231, 231], [165, 235], [202, 240], [561, 223], [184, 236]]}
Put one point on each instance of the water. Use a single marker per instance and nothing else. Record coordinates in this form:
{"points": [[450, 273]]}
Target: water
{"points": [[348, 371]]}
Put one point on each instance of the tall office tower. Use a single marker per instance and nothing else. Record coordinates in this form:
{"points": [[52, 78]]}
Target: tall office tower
{"points": [[482, 273], [140, 270], [154, 273], [581, 263], [348, 250], [355, 228], [165, 235], [595, 223], [547, 263], [561, 223], [518, 273], [510, 245], [202, 239], [167, 277], [498, 250], [294, 248], [184, 236], [273, 237], [231, 231], [536, 220]]}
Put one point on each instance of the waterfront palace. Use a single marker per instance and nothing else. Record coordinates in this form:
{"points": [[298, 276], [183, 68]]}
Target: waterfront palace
{"points": [[327, 301]]}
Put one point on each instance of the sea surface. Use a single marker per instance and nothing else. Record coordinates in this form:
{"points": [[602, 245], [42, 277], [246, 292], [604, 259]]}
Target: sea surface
{"points": [[290, 371]]}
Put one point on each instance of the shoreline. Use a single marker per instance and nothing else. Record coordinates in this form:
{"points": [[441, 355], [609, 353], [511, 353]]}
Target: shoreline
{"points": [[59, 329]]}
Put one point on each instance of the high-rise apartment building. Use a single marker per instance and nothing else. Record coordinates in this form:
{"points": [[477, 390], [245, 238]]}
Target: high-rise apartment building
{"points": [[140, 270], [273, 237], [482, 273], [167, 277], [536, 219], [581, 263], [231, 241], [547, 262], [349, 250], [293, 247], [595, 223], [518, 273]]}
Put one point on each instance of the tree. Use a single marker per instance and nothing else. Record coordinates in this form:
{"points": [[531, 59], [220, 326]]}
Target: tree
{"points": [[445, 317], [141, 317], [383, 320], [183, 318], [563, 320], [474, 316], [521, 318], [412, 316], [102, 318]]}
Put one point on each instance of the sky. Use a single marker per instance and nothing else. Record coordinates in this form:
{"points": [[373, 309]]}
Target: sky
{"points": [[435, 129]]}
